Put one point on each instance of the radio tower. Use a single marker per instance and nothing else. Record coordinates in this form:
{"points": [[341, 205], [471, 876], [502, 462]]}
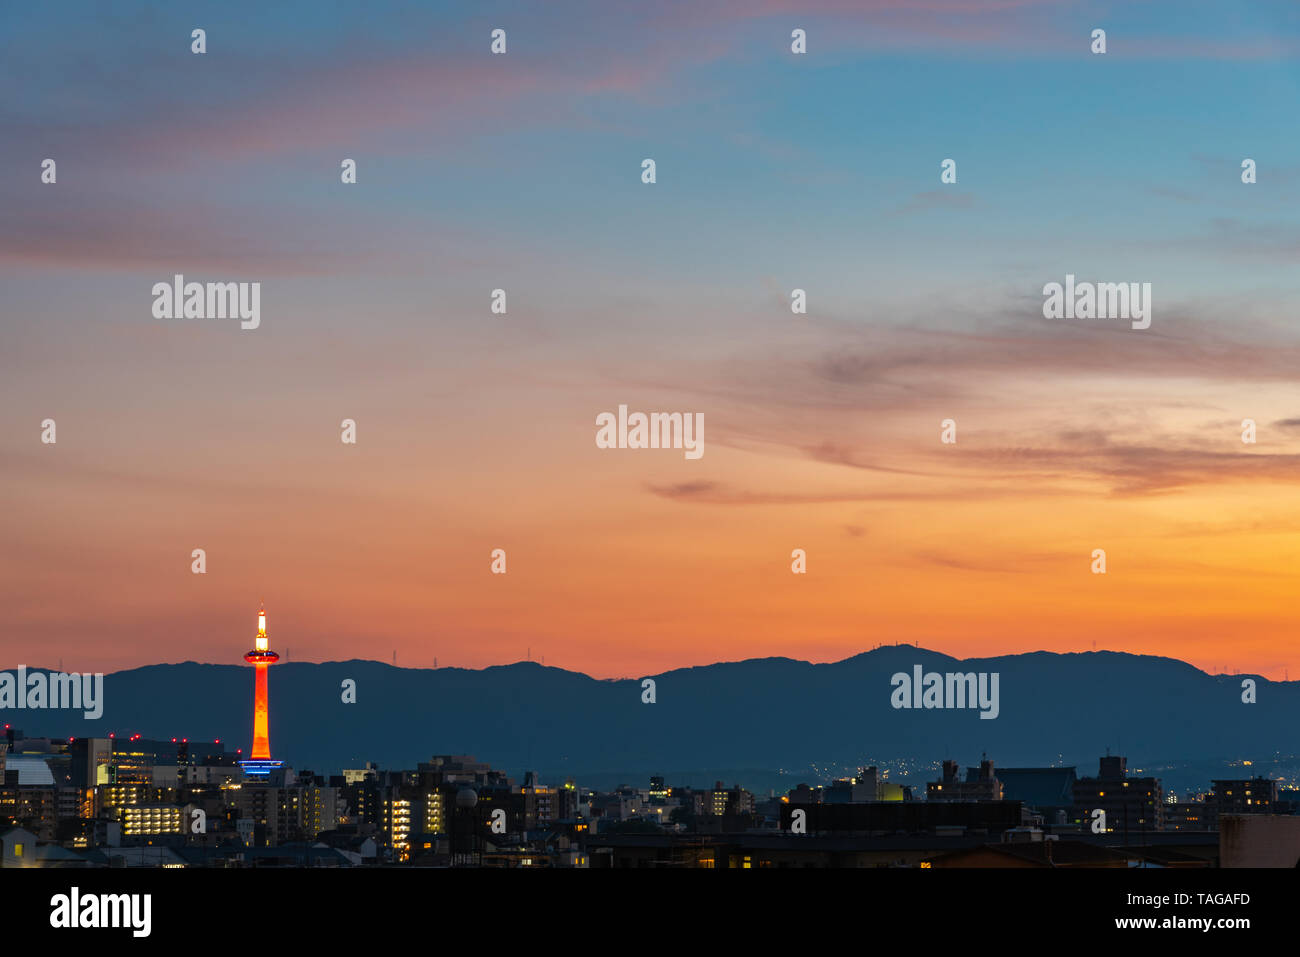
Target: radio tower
{"points": [[261, 658]]}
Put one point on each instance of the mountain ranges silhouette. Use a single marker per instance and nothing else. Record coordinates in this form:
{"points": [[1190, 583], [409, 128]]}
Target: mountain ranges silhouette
{"points": [[769, 722]]}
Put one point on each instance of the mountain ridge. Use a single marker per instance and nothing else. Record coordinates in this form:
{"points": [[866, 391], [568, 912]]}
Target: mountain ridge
{"points": [[781, 714]]}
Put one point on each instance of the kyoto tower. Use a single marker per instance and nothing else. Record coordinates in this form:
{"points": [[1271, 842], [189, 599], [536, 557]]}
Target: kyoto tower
{"points": [[261, 657]]}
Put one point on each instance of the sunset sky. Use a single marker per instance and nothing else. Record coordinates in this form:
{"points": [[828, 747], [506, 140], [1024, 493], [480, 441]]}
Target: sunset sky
{"points": [[476, 431]]}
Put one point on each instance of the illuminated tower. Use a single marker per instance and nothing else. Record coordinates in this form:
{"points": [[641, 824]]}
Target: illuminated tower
{"points": [[261, 657]]}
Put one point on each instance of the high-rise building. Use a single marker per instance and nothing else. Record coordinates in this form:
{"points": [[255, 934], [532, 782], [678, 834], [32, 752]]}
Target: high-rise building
{"points": [[91, 761], [981, 785], [1191, 816], [1131, 804], [1245, 796], [141, 822], [724, 801], [397, 826]]}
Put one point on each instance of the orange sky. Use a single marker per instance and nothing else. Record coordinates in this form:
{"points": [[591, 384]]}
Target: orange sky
{"points": [[624, 562]]}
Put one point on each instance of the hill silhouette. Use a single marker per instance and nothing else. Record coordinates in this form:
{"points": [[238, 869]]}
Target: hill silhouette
{"points": [[773, 719]]}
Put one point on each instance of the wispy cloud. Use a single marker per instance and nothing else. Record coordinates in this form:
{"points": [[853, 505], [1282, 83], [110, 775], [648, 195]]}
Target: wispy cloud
{"points": [[935, 199]]}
